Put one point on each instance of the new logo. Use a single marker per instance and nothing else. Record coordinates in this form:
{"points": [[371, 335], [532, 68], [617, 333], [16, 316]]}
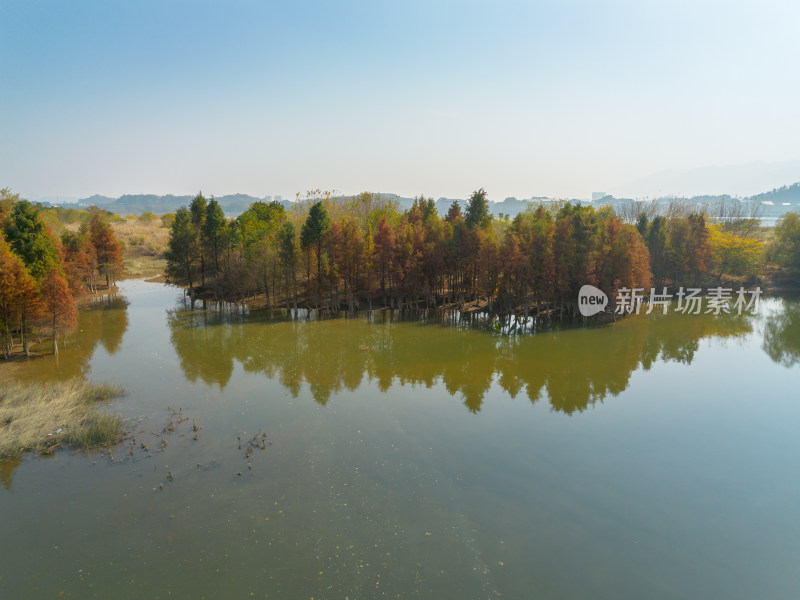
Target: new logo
{"points": [[591, 300]]}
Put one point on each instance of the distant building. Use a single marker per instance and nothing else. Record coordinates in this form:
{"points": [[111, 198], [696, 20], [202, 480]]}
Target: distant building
{"points": [[598, 196]]}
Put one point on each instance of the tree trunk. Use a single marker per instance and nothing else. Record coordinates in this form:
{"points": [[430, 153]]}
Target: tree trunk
{"points": [[55, 335], [24, 335]]}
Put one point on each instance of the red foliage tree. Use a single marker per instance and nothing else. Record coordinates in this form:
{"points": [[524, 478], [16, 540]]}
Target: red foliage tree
{"points": [[18, 296], [107, 248], [58, 304], [383, 240]]}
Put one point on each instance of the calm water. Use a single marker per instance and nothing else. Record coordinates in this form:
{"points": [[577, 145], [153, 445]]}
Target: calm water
{"points": [[657, 457]]}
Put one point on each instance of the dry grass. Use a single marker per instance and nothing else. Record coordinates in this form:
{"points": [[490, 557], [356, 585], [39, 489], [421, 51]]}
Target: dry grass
{"points": [[143, 246], [42, 417]]}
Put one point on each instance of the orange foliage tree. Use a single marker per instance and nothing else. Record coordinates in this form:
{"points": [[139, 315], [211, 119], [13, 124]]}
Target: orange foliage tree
{"points": [[58, 304]]}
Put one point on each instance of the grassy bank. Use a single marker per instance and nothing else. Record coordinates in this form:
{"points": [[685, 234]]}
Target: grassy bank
{"points": [[143, 241], [143, 244], [43, 417]]}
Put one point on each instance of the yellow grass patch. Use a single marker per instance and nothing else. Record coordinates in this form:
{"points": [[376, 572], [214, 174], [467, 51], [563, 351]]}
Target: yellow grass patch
{"points": [[41, 417], [143, 246]]}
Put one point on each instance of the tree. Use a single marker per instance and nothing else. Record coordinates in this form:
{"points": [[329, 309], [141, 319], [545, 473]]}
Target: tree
{"points": [[477, 215], [198, 209], [699, 248], [454, 213], [183, 251], [58, 303], [733, 254], [28, 238], [787, 242], [313, 234], [107, 248], [7, 201], [656, 240], [215, 234], [288, 253], [17, 295], [80, 262], [257, 229], [383, 242]]}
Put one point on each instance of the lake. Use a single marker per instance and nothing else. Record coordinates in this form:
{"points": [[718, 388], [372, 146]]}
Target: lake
{"points": [[409, 457]]}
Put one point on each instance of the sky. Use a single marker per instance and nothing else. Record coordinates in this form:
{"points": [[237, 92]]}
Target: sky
{"points": [[430, 97]]}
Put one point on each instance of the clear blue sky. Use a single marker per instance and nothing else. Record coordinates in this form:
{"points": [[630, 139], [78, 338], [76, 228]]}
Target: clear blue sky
{"points": [[433, 97]]}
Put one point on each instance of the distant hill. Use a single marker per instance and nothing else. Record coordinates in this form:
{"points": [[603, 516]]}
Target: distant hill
{"points": [[788, 195], [774, 203], [747, 179], [135, 204]]}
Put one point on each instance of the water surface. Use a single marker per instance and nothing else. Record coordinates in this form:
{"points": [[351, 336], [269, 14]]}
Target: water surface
{"points": [[656, 457]]}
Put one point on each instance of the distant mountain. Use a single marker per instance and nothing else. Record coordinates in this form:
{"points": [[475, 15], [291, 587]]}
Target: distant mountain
{"points": [[135, 204], [746, 179], [771, 204], [787, 195], [774, 202]]}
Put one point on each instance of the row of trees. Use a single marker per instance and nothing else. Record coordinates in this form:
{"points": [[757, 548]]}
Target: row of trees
{"points": [[352, 252], [41, 276]]}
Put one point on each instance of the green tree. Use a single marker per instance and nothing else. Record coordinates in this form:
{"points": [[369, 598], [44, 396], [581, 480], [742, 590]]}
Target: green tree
{"points": [[313, 235], [28, 238], [183, 251], [477, 215], [656, 240], [787, 242], [257, 229], [198, 209], [7, 201], [288, 253], [215, 234]]}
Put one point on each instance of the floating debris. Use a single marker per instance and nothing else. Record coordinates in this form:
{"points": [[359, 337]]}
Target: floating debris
{"points": [[257, 442]]}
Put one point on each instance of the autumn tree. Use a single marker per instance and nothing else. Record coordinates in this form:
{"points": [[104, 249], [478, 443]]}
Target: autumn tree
{"points": [[18, 296], [733, 254], [575, 245], [59, 305], [699, 248], [7, 201], [454, 213], [257, 229], [80, 262], [383, 242], [352, 259], [107, 249]]}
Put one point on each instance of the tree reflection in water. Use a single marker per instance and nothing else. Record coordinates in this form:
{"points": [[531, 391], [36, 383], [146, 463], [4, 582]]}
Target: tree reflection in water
{"points": [[573, 368], [103, 323], [782, 334]]}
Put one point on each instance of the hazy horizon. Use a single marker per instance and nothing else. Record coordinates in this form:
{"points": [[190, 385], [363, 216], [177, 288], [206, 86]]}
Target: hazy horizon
{"points": [[438, 98]]}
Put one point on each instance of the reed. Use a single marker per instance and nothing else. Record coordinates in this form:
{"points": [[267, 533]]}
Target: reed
{"points": [[41, 417]]}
